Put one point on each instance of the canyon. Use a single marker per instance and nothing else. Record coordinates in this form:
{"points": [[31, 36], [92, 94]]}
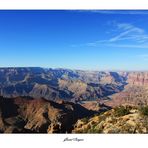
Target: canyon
{"points": [[71, 85], [45, 100]]}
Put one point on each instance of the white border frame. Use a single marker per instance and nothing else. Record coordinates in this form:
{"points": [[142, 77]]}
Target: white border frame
{"points": [[90, 140], [73, 4]]}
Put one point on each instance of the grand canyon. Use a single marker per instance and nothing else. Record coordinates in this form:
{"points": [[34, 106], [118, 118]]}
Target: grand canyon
{"points": [[46, 100]]}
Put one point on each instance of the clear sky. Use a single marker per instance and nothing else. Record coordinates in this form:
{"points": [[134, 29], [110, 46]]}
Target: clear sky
{"points": [[89, 40]]}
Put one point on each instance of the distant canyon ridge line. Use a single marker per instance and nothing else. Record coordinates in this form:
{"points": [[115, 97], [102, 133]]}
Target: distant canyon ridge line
{"points": [[71, 85]]}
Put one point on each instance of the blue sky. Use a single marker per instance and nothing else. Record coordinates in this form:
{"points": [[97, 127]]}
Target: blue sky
{"points": [[89, 40]]}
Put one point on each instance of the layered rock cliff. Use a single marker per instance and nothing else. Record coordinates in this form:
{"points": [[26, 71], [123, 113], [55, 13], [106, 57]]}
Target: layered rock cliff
{"points": [[138, 78], [72, 85]]}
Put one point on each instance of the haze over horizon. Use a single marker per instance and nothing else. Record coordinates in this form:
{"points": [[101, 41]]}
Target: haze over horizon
{"points": [[87, 40], [77, 69]]}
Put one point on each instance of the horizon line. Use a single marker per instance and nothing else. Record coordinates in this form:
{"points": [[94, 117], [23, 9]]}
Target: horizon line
{"points": [[77, 69]]}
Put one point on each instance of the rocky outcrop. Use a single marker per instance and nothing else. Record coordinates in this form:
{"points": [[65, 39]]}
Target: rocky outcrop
{"points": [[114, 121], [27, 115]]}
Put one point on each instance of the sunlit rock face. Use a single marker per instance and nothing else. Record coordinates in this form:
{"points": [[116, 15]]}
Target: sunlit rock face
{"points": [[72, 85], [138, 78]]}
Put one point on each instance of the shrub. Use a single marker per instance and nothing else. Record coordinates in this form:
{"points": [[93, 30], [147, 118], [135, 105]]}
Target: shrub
{"points": [[94, 131], [85, 120], [144, 110], [122, 111]]}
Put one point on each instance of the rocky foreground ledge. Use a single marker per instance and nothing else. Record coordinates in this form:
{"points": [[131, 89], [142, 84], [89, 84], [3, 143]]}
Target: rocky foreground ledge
{"points": [[123, 119]]}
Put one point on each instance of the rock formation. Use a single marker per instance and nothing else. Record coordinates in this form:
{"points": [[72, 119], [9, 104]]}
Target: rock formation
{"points": [[118, 120], [27, 115], [71, 85]]}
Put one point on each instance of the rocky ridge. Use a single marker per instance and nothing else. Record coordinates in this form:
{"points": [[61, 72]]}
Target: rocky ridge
{"points": [[28, 115], [71, 85]]}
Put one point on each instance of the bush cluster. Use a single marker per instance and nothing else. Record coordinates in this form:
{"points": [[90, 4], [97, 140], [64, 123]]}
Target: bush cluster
{"points": [[122, 111], [144, 110]]}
